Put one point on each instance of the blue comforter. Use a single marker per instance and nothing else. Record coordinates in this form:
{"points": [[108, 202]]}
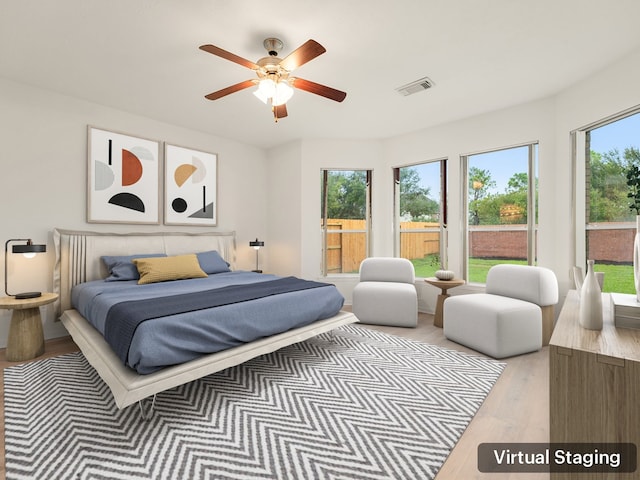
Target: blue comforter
{"points": [[181, 337]]}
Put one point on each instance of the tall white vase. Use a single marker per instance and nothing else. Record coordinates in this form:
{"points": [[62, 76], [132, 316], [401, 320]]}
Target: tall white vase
{"points": [[590, 314], [636, 258]]}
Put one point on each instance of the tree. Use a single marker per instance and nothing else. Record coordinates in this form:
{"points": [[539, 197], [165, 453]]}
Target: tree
{"points": [[608, 199], [480, 184], [519, 182], [516, 198], [414, 198], [632, 156], [346, 194]]}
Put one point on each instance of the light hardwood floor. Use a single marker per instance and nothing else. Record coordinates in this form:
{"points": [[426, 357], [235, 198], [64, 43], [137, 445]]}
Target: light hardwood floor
{"points": [[516, 410]]}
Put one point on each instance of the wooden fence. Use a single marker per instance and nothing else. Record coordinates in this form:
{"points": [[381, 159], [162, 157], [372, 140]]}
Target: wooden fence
{"points": [[345, 251], [416, 244]]}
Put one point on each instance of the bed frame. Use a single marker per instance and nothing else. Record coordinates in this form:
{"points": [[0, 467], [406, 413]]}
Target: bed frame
{"points": [[78, 260]]}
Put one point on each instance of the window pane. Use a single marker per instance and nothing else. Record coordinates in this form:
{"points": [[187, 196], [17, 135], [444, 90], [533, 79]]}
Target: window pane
{"points": [[345, 198], [420, 210], [614, 150], [345, 252], [347, 194], [498, 204]]}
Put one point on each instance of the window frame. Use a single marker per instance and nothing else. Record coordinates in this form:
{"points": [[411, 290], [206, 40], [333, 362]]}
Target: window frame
{"points": [[325, 231], [442, 228], [532, 200], [580, 154]]}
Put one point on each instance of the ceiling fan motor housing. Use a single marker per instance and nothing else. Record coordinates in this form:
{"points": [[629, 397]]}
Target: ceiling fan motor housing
{"points": [[273, 46]]}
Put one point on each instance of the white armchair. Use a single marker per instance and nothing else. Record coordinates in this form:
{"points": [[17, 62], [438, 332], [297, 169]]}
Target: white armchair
{"points": [[386, 293], [514, 316]]}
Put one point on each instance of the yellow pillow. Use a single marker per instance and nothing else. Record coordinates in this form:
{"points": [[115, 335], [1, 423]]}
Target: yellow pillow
{"points": [[161, 269]]}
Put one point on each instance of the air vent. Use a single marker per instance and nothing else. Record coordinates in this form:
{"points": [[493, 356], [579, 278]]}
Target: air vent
{"points": [[415, 87]]}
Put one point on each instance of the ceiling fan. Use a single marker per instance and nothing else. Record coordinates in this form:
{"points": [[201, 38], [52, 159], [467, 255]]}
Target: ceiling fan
{"points": [[273, 75]]}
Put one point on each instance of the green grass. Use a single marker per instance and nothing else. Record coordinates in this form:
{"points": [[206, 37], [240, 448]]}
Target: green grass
{"points": [[479, 267], [427, 266], [617, 278]]}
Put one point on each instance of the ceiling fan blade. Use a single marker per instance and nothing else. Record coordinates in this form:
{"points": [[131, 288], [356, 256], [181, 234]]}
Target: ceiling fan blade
{"points": [[280, 111], [322, 90], [229, 56], [303, 54], [232, 89]]}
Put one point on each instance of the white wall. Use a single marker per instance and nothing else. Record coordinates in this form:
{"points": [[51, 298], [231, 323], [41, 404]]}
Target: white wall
{"points": [[604, 94], [525, 123], [546, 121], [285, 210], [532, 122], [336, 154], [43, 180], [296, 189], [275, 195]]}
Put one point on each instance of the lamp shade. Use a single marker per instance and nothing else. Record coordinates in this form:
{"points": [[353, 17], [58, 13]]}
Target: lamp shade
{"points": [[278, 91], [266, 90], [282, 94], [28, 249]]}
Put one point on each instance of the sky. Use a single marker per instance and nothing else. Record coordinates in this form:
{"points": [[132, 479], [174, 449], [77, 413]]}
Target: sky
{"points": [[621, 134], [502, 164]]}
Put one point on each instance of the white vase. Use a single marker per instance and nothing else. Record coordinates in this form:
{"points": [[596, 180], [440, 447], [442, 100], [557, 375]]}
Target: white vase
{"points": [[590, 315], [636, 258]]}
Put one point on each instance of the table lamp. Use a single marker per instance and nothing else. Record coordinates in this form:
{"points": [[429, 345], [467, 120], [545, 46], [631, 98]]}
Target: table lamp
{"points": [[28, 250], [256, 244]]}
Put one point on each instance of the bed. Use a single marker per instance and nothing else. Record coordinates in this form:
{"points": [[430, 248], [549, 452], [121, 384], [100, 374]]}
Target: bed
{"points": [[79, 263]]}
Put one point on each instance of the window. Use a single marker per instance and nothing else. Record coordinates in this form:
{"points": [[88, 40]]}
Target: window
{"points": [[420, 215], [612, 150], [501, 203], [345, 219]]}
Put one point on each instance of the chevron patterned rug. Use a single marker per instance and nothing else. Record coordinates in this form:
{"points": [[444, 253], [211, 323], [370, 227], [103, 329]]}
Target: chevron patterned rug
{"points": [[359, 405]]}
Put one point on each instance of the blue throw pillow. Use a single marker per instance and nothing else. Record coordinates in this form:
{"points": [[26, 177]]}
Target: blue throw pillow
{"points": [[211, 262], [122, 268]]}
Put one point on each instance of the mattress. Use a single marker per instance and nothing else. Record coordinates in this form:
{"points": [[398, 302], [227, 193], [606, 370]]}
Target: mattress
{"points": [[182, 337]]}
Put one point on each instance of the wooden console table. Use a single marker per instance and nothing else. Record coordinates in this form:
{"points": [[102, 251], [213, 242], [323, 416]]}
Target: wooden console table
{"points": [[594, 382]]}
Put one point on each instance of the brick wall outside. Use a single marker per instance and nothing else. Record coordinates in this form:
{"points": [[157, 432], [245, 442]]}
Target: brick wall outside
{"points": [[612, 245], [498, 244]]}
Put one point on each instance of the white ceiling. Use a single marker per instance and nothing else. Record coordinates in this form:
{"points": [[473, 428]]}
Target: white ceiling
{"points": [[142, 56]]}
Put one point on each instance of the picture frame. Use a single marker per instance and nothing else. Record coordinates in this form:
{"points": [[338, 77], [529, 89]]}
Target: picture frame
{"points": [[123, 178], [190, 186]]}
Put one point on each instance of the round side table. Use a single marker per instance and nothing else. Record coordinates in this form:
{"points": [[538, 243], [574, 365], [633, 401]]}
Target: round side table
{"points": [[26, 339], [443, 285]]}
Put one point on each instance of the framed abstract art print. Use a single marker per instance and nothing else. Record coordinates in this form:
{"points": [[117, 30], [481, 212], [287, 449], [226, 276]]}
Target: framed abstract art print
{"points": [[190, 186], [123, 178]]}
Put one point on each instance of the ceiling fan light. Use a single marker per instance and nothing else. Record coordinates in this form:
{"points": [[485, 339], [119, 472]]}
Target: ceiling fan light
{"points": [[266, 90], [259, 95], [282, 94]]}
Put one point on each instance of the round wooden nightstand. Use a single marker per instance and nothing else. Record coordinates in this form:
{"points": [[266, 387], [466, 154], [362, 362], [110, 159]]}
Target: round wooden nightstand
{"points": [[26, 339], [443, 285]]}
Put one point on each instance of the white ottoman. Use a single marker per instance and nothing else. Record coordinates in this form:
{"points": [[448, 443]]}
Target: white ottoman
{"points": [[494, 325]]}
